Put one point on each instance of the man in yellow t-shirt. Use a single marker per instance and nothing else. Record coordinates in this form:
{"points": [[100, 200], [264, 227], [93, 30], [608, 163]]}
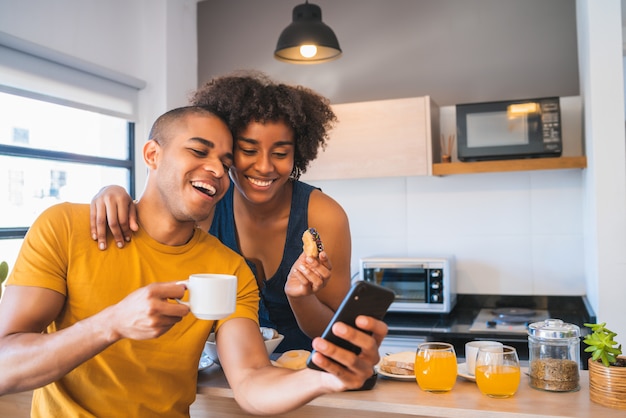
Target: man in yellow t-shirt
{"points": [[98, 334]]}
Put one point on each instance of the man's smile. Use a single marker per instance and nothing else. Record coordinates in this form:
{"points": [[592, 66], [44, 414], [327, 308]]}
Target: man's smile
{"points": [[204, 188]]}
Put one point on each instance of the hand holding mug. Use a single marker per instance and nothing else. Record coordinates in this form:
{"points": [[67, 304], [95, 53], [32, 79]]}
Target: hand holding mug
{"points": [[211, 296]]}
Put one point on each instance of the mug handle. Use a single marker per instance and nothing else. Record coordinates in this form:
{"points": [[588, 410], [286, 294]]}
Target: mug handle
{"points": [[186, 283]]}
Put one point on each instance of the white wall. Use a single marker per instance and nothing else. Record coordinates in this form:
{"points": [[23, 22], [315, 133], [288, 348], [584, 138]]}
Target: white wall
{"points": [[602, 87]]}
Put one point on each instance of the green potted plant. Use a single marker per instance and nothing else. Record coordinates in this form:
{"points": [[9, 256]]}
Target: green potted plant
{"points": [[4, 272], [607, 368]]}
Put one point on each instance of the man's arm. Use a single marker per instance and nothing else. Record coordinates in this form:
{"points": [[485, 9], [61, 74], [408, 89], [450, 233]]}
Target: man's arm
{"points": [[261, 388], [31, 358]]}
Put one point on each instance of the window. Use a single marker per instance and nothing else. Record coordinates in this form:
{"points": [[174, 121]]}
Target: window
{"points": [[51, 153], [67, 129]]}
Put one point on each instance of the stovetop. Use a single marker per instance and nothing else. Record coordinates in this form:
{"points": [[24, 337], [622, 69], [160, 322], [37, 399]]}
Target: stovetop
{"points": [[507, 320]]}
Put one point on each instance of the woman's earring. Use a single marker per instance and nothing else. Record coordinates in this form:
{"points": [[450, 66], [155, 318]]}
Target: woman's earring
{"points": [[295, 174]]}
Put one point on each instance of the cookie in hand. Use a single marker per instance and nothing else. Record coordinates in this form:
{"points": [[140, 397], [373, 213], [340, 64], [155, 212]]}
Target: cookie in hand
{"points": [[312, 243]]}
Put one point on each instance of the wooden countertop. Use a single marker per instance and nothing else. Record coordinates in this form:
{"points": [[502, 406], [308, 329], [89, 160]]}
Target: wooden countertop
{"points": [[389, 398], [404, 398]]}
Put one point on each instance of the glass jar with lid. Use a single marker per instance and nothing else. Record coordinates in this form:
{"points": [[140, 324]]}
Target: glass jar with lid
{"points": [[554, 355]]}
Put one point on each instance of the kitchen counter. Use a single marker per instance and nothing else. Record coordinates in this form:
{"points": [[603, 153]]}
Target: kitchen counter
{"points": [[389, 398]]}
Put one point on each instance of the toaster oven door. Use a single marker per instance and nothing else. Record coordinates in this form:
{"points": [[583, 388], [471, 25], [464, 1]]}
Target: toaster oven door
{"points": [[410, 284]]}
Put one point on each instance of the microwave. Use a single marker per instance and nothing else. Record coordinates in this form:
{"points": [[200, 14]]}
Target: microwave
{"points": [[425, 285], [509, 129]]}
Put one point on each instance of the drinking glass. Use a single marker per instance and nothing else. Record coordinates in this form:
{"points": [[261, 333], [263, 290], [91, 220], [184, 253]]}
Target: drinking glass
{"points": [[435, 367], [497, 371]]}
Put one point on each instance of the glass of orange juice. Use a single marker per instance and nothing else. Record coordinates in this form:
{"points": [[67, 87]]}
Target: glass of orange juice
{"points": [[497, 371], [435, 367]]}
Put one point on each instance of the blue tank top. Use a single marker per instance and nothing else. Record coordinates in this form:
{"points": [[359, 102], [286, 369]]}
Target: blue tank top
{"points": [[274, 309]]}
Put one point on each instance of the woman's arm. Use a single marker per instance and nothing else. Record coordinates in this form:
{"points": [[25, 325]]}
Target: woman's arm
{"points": [[316, 286], [112, 207]]}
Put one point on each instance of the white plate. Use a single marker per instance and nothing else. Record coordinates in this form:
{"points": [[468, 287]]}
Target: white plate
{"points": [[462, 371], [205, 362], [395, 376]]}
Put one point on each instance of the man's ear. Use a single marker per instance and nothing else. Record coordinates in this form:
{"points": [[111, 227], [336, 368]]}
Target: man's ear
{"points": [[151, 152]]}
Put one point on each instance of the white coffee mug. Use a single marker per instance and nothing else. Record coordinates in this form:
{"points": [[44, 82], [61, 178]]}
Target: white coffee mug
{"points": [[211, 296], [471, 351]]}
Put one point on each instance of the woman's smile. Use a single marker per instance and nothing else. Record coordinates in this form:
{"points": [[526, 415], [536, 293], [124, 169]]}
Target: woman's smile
{"points": [[259, 182]]}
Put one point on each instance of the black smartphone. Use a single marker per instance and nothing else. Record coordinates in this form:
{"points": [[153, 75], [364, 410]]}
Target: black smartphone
{"points": [[364, 298]]}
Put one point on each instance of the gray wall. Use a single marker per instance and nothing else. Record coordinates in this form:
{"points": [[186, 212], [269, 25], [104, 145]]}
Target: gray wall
{"points": [[453, 50]]}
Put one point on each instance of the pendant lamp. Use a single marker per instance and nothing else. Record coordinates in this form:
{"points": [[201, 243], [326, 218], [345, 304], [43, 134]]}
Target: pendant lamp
{"points": [[307, 40]]}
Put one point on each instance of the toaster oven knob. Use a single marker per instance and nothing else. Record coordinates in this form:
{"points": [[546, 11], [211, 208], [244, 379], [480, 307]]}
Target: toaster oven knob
{"points": [[434, 298], [435, 285]]}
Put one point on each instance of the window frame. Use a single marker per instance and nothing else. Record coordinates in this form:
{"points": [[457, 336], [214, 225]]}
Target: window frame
{"points": [[49, 155]]}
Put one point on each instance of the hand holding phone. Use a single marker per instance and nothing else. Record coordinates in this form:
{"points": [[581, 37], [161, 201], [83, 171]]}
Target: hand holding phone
{"points": [[364, 298]]}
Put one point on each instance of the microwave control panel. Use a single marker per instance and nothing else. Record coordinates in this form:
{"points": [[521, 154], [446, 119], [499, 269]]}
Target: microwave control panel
{"points": [[551, 121]]}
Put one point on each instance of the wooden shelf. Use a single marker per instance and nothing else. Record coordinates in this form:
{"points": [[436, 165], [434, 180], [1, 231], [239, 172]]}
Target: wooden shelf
{"points": [[528, 164]]}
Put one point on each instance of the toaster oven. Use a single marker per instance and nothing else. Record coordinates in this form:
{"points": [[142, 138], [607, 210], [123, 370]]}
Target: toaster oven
{"points": [[424, 285]]}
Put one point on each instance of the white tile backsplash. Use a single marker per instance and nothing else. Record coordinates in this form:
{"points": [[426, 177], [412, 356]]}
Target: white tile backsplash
{"points": [[558, 264], [510, 233], [556, 202], [477, 204], [494, 264], [370, 204]]}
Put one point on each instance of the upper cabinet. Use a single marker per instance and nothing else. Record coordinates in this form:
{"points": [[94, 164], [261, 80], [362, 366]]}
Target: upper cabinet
{"points": [[401, 137], [382, 138]]}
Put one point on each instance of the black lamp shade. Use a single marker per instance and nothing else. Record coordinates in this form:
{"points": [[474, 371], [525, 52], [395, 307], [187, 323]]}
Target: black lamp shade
{"points": [[307, 28]]}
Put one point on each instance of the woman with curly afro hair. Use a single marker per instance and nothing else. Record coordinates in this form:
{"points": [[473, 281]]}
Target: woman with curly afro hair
{"points": [[278, 130]]}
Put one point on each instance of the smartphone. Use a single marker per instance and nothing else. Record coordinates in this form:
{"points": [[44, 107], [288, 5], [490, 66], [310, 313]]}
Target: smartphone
{"points": [[364, 298]]}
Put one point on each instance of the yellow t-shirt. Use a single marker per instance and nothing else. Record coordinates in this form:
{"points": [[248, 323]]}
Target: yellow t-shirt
{"points": [[155, 377]]}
